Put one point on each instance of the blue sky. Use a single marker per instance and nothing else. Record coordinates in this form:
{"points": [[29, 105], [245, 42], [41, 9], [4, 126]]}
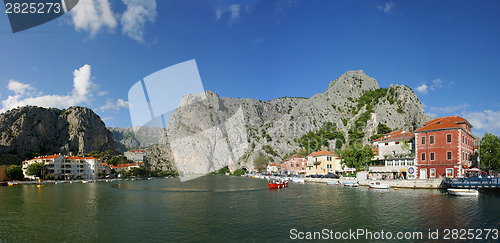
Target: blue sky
{"points": [[446, 51]]}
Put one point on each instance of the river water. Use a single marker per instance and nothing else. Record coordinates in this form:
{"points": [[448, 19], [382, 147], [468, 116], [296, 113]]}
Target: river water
{"points": [[224, 208]]}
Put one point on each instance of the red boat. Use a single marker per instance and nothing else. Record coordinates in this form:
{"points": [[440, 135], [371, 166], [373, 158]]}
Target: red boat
{"points": [[277, 184]]}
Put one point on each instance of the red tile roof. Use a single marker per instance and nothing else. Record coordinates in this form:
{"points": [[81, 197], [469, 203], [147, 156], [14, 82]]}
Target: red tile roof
{"points": [[321, 153], [47, 157], [135, 151], [396, 136], [443, 123], [296, 156]]}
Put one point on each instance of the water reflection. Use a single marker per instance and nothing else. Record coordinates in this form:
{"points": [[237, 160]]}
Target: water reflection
{"points": [[226, 208]]}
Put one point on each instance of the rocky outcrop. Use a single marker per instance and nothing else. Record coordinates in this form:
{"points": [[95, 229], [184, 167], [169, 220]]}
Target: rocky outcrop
{"points": [[208, 131], [126, 138], [27, 131]]}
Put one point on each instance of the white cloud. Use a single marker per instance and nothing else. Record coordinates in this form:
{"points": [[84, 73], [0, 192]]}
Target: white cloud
{"points": [[434, 85], [424, 89], [102, 93], [83, 88], [95, 15], [449, 109], [387, 7], [134, 19], [114, 105], [18, 87], [487, 120], [92, 16], [233, 10]]}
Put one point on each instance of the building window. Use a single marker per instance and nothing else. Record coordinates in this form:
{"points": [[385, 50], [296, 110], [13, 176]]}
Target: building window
{"points": [[423, 140], [448, 155], [432, 157], [448, 138], [397, 142], [431, 140], [423, 156], [433, 173], [449, 172], [386, 143], [463, 139]]}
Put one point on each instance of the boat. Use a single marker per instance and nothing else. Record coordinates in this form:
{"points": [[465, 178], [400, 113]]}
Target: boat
{"points": [[333, 183], [298, 180], [463, 192], [378, 185], [351, 184], [277, 184], [4, 183]]}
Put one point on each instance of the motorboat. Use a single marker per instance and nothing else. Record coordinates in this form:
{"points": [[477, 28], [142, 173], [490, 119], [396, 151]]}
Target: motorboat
{"points": [[298, 180], [277, 184], [351, 184], [333, 183], [378, 185], [463, 192]]}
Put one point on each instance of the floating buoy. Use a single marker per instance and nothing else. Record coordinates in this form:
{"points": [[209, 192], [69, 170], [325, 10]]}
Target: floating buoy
{"points": [[395, 188], [432, 194], [382, 192]]}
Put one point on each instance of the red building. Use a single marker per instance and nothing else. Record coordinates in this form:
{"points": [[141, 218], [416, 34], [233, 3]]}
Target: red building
{"points": [[296, 164], [444, 147]]}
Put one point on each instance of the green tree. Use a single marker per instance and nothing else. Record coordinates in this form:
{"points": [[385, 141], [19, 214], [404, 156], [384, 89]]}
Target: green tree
{"points": [[490, 152], [35, 169], [355, 156], [138, 171], [238, 172], [261, 162], [15, 172], [383, 129]]}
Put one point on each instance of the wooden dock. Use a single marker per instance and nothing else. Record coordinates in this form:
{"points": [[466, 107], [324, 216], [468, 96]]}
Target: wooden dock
{"points": [[473, 182]]}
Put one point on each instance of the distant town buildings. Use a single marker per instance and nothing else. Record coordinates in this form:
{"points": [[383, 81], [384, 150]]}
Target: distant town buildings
{"points": [[61, 167], [3, 173], [295, 165], [136, 155]]}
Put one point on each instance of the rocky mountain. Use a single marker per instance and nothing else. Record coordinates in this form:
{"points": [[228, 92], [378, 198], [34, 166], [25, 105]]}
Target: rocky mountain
{"points": [[126, 138], [222, 131], [27, 131]]}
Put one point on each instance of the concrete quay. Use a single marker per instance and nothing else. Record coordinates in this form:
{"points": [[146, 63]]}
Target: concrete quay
{"points": [[416, 184]]}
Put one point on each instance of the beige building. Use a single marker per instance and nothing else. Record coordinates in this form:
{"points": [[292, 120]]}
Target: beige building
{"points": [[3, 173], [322, 163]]}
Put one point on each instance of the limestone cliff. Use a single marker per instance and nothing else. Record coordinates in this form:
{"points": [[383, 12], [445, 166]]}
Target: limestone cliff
{"points": [[204, 123], [27, 131]]}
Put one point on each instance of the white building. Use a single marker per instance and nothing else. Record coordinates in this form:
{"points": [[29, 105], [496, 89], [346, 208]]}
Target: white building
{"points": [[272, 168], [396, 151], [136, 155], [67, 167]]}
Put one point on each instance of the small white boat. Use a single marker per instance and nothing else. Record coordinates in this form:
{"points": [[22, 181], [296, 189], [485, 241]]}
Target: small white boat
{"points": [[378, 185], [298, 180], [351, 184], [463, 192], [333, 183]]}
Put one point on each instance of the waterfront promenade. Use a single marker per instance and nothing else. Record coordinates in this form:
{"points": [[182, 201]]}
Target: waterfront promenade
{"points": [[418, 184]]}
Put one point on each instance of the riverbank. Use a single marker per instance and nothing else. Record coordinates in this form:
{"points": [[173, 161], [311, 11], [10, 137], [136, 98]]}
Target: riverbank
{"points": [[417, 184]]}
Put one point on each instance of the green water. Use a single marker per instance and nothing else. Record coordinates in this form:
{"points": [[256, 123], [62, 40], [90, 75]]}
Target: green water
{"points": [[222, 208]]}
